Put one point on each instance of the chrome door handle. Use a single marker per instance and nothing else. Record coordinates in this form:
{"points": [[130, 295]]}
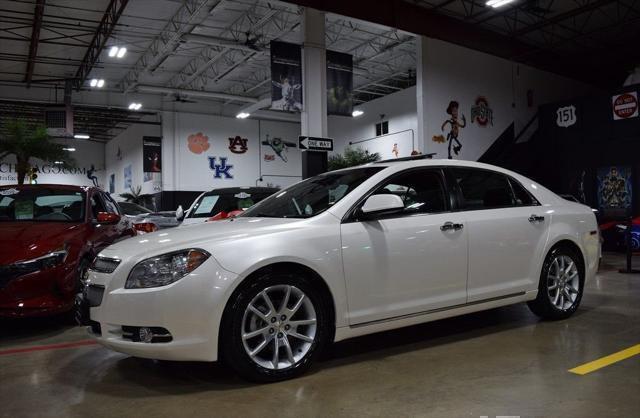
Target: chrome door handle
{"points": [[450, 226], [536, 218]]}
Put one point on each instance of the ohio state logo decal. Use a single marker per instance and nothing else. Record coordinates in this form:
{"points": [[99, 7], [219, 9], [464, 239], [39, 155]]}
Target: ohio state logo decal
{"points": [[481, 113], [238, 145]]}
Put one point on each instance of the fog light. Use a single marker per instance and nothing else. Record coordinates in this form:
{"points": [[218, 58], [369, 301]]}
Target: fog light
{"points": [[145, 334]]}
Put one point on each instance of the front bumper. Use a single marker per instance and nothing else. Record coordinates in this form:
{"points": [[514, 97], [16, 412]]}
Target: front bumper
{"points": [[190, 310], [40, 293]]}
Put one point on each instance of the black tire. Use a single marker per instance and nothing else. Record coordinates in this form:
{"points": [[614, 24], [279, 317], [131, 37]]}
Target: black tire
{"points": [[543, 305], [232, 348], [80, 312]]}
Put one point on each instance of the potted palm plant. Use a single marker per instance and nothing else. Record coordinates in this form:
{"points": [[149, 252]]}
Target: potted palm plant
{"points": [[351, 157], [27, 142], [136, 196]]}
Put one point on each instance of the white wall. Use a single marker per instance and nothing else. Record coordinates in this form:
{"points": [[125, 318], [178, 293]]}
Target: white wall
{"points": [[460, 74], [186, 170], [399, 110], [87, 153], [129, 142]]}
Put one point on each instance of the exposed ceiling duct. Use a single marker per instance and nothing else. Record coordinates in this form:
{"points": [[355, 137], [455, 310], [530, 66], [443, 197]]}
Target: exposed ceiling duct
{"points": [[195, 93]]}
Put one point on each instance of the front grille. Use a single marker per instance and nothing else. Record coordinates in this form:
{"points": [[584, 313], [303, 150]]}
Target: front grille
{"points": [[104, 265], [93, 294]]}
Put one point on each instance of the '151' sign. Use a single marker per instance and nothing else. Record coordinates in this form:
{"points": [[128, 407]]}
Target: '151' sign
{"points": [[566, 116]]}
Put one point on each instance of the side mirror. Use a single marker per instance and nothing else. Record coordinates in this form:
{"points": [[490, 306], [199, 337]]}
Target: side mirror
{"points": [[381, 204], [180, 213], [108, 218]]}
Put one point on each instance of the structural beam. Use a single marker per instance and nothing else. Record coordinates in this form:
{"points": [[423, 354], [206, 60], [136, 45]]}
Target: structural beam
{"points": [[103, 32], [38, 11]]}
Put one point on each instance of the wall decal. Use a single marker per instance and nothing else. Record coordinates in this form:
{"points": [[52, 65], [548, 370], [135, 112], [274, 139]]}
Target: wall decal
{"points": [[566, 116], [222, 169], [127, 177], [238, 145], [481, 113], [625, 105], [395, 150], [198, 143], [455, 127], [279, 146], [91, 175]]}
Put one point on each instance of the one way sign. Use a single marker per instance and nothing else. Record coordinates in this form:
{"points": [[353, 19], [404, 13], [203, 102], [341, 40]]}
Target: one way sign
{"points": [[315, 144]]}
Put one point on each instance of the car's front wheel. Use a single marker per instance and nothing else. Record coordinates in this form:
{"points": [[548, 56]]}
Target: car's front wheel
{"points": [[561, 284], [274, 328]]}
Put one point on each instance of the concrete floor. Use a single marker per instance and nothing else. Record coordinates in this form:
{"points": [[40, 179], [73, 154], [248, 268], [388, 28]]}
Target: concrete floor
{"points": [[499, 362]]}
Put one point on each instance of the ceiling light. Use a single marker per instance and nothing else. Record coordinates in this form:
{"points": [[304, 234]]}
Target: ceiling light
{"points": [[243, 115], [135, 106], [93, 82], [357, 113], [100, 83], [498, 3], [69, 149], [121, 52], [81, 136], [113, 51], [58, 162]]}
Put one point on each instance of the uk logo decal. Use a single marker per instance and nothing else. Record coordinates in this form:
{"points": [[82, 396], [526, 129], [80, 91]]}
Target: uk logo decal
{"points": [[238, 145], [221, 169]]}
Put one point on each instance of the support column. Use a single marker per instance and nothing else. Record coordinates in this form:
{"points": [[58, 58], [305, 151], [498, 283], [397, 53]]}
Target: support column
{"points": [[421, 93], [313, 120]]}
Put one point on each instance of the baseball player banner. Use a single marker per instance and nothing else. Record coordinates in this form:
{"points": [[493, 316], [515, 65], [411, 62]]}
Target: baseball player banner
{"points": [[339, 83], [286, 77]]}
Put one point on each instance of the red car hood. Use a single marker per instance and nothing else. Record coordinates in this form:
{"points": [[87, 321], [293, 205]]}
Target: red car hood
{"points": [[27, 240]]}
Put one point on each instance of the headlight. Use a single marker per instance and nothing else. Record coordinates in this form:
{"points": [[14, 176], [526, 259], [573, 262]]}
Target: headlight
{"points": [[44, 262], [165, 269]]}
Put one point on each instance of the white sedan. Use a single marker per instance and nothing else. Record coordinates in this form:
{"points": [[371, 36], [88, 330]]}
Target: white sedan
{"points": [[343, 254]]}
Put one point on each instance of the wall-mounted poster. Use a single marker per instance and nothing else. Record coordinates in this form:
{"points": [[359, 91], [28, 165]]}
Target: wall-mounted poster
{"points": [[152, 154], [614, 191], [339, 83], [112, 183], [286, 77], [127, 177]]}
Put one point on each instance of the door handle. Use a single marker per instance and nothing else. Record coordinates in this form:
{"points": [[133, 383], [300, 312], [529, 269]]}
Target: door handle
{"points": [[450, 226], [536, 218]]}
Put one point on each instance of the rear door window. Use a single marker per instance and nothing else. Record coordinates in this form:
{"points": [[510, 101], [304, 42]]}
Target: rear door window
{"points": [[483, 189]]}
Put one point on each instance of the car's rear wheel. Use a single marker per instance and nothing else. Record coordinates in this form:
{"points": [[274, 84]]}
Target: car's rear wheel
{"points": [[561, 285], [275, 328]]}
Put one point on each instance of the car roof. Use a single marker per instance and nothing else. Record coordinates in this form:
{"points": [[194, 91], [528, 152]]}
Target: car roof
{"points": [[230, 190]]}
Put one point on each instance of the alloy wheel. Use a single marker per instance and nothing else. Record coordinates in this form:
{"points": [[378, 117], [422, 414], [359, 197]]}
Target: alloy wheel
{"points": [[563, 282], [279, 327]]}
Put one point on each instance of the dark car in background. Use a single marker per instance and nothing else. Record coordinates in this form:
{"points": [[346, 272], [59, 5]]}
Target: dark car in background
{"points": [[224, 202], [49, 235], [139, 215]]}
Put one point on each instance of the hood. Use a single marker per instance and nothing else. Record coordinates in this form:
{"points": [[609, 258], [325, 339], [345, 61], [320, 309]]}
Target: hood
{"points": [[26, 240], [202, 235]]}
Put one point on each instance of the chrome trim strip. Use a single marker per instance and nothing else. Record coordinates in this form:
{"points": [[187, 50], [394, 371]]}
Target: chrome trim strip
{"points": [[432, 311]]}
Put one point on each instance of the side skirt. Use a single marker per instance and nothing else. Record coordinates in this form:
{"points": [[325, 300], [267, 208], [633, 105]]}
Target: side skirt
{"points": [[365, 328]]}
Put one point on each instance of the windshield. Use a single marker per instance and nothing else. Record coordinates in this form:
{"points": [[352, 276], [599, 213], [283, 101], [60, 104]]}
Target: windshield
{"points": [[210, 204], [132, 209], [41, 204], [312, 196]]}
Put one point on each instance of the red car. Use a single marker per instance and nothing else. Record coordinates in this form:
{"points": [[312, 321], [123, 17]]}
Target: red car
{"points": [[49, 234]]}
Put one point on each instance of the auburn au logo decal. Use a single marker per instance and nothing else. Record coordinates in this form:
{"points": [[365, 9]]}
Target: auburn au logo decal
{"points": [[238, 145]]}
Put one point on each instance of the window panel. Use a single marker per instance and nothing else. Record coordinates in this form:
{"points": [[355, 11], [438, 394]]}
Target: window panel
{"points": [[483, 189]]}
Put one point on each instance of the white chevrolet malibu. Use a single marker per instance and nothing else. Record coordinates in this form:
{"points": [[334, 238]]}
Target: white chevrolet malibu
{"points": [[343, 254]]}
